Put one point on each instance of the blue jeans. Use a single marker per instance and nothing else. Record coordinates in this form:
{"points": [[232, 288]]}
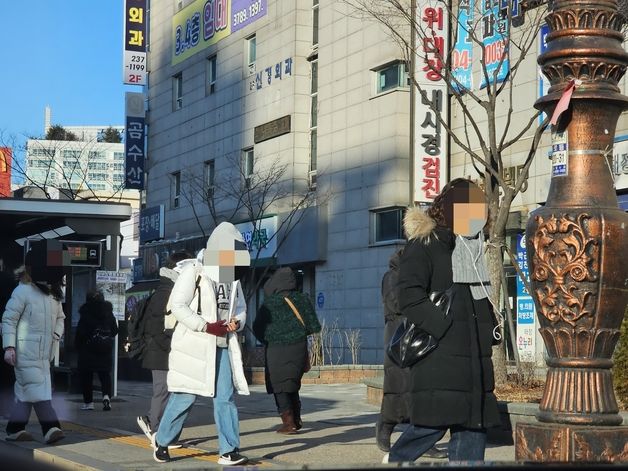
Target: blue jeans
{"points": [[464, 445], [225, 411]]}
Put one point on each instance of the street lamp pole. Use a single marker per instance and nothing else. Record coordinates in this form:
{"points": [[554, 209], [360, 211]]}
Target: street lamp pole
{"points": [[576, 243]]}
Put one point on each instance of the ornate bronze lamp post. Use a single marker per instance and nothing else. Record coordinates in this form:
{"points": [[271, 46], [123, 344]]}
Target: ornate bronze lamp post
{"points": [[577, 244]]}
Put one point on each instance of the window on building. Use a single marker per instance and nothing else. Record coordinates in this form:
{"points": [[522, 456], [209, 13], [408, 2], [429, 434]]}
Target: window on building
{"points": [[72, 154], [176, 189], [314, 23], [392, 76], [387, 224], [251, 52], [177, 91], [208, 178], [248, 160], [211, 75], [96, 155]]}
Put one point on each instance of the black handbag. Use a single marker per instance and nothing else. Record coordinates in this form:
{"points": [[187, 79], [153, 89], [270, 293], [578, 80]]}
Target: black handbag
{"points": [[410, 343]]}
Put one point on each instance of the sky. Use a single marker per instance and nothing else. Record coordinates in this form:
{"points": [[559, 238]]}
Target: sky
{"points": [[63, 53]]}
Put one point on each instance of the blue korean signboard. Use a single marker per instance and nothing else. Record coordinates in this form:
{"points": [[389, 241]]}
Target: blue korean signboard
{"points": [[494, 43], [151, 223], [462, 54], [526, 322], [134, 150], [544, 84]]}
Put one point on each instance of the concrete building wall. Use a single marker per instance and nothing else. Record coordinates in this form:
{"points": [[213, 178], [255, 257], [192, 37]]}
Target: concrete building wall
{"points": [[363, 139], [363, 163]]}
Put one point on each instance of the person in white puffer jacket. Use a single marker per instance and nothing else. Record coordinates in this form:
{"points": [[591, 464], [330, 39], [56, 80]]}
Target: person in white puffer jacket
{"points": [[32, 325], [205, 358]]}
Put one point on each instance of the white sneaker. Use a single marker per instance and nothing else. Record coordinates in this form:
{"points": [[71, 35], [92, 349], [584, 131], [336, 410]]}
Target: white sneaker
{"points": [[88, 406], [174, 446], [232, 458], [21, 436], [144, 423], [54, 435]]}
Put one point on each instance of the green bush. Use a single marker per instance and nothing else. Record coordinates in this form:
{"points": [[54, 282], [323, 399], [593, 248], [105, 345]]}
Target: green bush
{"points": [[620, 366]]}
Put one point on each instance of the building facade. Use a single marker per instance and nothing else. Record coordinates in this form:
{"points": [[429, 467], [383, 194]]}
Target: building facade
{"points": [[237, 86]]}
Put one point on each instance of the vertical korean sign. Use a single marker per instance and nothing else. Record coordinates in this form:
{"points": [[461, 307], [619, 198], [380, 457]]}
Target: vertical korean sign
{"points": [[526, 318], [135, 68], [135, 141], [495, 35], [430, 140], [462, 53]]}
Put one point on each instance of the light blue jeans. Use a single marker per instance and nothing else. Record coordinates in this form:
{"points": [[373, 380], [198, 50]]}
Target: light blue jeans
{"points": [[225, 411]]}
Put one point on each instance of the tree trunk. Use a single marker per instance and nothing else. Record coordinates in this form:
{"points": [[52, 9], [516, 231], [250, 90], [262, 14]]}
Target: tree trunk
{"points": [[495, 266]]}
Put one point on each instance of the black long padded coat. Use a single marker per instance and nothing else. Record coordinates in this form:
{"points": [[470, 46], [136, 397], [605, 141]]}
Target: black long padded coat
{"points": [[95, 314], [284, 337], [394, 410], [454, 384], [157, 338]]}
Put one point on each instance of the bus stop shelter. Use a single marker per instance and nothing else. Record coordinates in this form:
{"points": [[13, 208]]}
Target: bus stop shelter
{"points": [[93, 224]]}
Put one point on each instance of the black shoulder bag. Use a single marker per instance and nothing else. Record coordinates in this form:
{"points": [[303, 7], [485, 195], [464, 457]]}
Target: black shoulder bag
{"points": [[409, 344]]}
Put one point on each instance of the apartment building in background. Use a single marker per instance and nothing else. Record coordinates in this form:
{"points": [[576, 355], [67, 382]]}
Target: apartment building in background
{"points": [[82, 169]]}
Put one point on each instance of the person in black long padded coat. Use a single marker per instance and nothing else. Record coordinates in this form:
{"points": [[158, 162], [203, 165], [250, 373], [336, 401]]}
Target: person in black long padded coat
{"points": [[452, 387], [394, 410], [94, 342], [158, 336], [285, 338]]}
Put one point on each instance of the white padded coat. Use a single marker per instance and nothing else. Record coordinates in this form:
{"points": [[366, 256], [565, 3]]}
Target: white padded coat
{"points": [[192, 360], [32, 323]]}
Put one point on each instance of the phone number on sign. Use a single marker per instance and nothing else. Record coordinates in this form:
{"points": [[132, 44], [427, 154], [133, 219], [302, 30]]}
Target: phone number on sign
{"points": [[249, 13]]}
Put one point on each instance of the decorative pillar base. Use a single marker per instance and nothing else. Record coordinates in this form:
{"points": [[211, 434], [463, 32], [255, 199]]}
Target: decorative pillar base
{"points": [[546, 443]]}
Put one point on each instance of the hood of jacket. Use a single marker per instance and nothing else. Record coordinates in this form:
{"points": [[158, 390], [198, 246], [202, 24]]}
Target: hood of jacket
{"points": [[417, 224], [227, 237], [283, 280], [169, 273]]}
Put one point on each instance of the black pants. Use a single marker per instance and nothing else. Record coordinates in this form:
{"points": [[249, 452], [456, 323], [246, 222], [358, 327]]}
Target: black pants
{"points": [[87, 385], [287, 401], [22, 410], [7, 381]]}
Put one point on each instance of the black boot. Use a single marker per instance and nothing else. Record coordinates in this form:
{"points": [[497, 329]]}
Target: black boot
{"points": [[383, 431], [298, 423], [288, 426]]}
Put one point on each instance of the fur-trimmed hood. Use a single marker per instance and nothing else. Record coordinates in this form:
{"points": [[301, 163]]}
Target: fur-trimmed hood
{"points": [[417, 224]]}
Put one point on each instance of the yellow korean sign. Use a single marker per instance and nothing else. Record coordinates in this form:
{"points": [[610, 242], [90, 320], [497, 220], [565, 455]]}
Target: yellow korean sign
{"points": [[205, 22]]}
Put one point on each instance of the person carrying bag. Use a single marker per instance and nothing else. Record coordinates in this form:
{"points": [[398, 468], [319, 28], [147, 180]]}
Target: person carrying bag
{"points": [[283, 324]]}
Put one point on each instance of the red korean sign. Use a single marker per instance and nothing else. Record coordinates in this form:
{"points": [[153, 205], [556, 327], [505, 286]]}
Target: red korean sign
{"points": [[430, 102]]}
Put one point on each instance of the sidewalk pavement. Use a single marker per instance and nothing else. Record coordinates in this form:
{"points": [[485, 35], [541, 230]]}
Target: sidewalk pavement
{"points": [[338, 431]]}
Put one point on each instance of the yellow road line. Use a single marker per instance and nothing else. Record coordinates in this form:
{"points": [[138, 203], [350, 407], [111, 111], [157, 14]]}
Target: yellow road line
{"points": [[141, 442]]}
